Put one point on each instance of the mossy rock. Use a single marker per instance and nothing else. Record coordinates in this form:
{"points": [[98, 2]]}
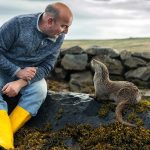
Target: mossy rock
{"points": [[106, 137]]}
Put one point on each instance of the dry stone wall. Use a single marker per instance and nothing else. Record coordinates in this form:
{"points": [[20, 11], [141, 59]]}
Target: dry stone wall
{"points": [[74, 66]]}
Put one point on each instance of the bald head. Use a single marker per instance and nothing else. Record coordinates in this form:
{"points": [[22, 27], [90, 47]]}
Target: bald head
{"points": [[59, 10], [56, 20]]}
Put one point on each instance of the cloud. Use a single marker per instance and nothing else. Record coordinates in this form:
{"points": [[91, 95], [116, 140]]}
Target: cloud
{"points": [[92, 18], [127, 9]]}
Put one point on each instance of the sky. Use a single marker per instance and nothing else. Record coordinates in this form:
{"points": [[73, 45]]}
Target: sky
{"points": [[93, 19]]}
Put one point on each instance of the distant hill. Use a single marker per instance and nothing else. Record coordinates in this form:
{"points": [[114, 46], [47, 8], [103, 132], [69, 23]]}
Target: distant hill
{"points": [[131, 44]]}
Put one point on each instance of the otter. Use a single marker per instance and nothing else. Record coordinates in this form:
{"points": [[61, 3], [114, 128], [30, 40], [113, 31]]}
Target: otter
{"points": [[121, 92]]}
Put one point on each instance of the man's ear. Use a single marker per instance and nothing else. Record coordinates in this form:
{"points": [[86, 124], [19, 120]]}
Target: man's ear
{"points": [[50, 21]]}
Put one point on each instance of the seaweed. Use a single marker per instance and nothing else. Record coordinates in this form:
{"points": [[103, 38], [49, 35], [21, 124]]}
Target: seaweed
{"points": [[86, 137]]}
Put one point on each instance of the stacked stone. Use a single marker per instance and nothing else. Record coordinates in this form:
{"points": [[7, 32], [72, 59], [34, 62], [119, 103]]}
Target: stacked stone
{"points": [[74, 66]]}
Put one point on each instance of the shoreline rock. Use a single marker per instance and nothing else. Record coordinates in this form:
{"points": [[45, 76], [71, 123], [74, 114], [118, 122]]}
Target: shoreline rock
{"points": [[62, 108]]}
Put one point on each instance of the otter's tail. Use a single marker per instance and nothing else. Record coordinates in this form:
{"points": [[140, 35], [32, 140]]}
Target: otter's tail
{"points": [[121, 105]]}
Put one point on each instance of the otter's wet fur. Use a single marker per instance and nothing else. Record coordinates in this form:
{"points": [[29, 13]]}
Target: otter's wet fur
{"points": [[122, 92]]}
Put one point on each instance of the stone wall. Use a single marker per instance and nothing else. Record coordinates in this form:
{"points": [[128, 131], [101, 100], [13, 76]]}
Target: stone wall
{"points": [[74, 66]]}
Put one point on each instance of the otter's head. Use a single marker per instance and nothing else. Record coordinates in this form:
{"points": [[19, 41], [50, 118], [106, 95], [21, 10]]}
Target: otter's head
{"points": [[96, 64], [99, 68]]}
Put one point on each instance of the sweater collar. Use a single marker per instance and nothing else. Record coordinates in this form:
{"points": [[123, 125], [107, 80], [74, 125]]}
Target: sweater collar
{"points": [[38, 28]]}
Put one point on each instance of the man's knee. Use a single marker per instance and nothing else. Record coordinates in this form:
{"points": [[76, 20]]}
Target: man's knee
{"points": [[40, 89], [33, 96]]}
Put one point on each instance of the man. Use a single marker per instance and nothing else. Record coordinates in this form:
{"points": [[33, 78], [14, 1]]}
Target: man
{"points": [[29, 47]]}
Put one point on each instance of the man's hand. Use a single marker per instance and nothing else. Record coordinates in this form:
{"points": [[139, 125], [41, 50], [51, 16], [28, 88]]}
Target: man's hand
{"points": [[12, 89], [27, 73]]}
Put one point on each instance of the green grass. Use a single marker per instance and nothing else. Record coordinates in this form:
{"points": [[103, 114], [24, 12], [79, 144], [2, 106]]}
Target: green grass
{"points": [[130, 44]]}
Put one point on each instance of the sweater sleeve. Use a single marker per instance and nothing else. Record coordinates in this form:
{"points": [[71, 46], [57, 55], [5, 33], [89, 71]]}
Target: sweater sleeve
{"points": [[8, 33], [47, 66]]}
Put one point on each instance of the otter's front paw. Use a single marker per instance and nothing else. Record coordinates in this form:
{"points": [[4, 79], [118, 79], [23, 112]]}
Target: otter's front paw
{"points": [[92, 96]]}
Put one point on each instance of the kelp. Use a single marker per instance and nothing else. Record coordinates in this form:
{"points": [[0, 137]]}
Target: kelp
{"points": [[85, 137]]}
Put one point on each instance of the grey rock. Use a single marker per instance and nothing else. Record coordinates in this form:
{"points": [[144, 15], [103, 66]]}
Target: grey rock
{"points": [[74, 62], [62, 108], [76, 108], [60, 73], [81, 82], [147, 119], [125, 54], [72, 50], [144, 55], [145, 93], [134, 62], [142, 73], [57, 74], [140, 83], [96, 50]]}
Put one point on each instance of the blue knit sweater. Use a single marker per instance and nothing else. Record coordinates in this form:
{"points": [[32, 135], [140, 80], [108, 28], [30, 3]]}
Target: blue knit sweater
{"points": [[23, 45]]}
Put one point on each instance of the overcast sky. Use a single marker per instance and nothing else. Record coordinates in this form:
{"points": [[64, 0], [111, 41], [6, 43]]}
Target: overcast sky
{"points": [[93, 19]]}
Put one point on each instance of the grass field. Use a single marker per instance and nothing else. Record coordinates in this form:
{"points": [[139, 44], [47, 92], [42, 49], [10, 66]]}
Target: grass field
{"points": [[130, 44]]}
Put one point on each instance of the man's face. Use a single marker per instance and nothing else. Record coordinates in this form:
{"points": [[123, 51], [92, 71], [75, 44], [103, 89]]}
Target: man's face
{"points": [[57, 27]]}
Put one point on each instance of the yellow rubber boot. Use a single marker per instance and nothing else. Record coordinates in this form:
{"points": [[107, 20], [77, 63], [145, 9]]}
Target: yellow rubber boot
{"points": [[18, 118], [6, 134]]}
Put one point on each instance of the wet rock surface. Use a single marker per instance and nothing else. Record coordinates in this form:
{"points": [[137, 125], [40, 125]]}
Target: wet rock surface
{"points": [[74, 121], [62, 108]]}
